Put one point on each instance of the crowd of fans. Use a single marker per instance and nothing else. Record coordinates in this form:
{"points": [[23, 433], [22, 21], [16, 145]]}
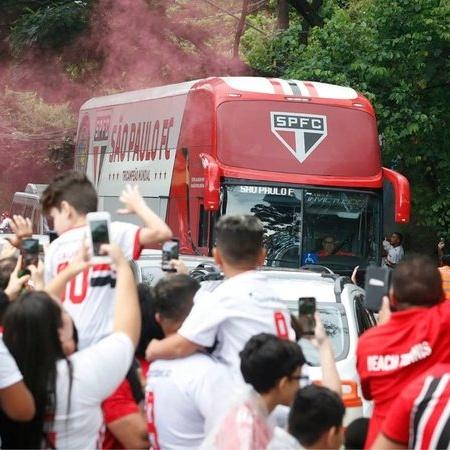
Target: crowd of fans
{"points": [[89, 359]]}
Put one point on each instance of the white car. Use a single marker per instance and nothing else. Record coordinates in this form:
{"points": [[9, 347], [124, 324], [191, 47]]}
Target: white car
{"points": [[338, 301], [340, 304]]}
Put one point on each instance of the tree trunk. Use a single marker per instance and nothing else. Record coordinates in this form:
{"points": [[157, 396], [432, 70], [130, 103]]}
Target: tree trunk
{"points": [[283, 15], [240, 29]]}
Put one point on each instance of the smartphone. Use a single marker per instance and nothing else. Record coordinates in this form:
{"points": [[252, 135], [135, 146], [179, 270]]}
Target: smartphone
{"points": [[306, 311], [377, 285], [170, 250], [99, 233], [29, 250]]}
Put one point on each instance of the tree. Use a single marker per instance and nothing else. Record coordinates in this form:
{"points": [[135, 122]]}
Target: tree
{"points": [[398, 57], [50, 26]]}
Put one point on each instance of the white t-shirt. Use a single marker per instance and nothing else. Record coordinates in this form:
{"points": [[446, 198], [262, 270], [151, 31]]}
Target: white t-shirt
{"points": [[394, 254], [9, 372], [282, 440], [89, 298], [241, 307], [97, 371], [184, 399]]}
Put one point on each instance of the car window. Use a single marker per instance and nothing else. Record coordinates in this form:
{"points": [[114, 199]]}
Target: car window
{"points": [[335, 322]]}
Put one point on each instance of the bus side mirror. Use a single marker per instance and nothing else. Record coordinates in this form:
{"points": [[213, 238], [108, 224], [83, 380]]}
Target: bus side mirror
{"points": [[402, 196], [211, 173]]}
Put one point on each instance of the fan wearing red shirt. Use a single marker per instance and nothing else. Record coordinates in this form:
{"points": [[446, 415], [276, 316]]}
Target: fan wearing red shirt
{"points": [[408, 342], [123, 414], [420, 417]]}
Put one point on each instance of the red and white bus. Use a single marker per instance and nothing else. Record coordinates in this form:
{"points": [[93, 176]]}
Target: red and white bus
{"points": [[302, 156]]}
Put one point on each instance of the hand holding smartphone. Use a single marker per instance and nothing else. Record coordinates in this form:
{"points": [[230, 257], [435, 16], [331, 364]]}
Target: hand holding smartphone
{"points": [[170, 250], [99, 234], [29, 250], [306, 311], [376, 286]]}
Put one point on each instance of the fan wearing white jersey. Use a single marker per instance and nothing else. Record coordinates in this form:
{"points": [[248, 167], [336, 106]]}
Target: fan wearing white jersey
{"points": [[68, 390], [89, 297], [241, 307], [185, 396]]}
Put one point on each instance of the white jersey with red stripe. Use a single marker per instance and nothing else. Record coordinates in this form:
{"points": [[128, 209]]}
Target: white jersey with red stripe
{"points": [[184, 399], [228, 316], [89, 298]]}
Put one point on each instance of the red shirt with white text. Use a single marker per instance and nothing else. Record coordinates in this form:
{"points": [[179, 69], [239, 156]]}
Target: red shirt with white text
{"points": [[390, 356]]}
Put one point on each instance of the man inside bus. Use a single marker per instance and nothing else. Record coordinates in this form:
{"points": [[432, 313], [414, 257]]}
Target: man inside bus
{"points": [[329, 248]]}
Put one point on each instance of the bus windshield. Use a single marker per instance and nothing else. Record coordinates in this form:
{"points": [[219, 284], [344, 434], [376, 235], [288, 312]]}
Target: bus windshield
{"points": [[336, 228]]}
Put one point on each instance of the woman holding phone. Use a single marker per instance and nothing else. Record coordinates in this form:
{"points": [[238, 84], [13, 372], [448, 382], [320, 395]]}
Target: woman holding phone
{"points": [[68, 391]]}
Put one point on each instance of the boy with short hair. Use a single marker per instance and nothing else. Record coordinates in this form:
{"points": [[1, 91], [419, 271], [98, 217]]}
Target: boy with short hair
{"points": [[316, 418], [241, 307], [271, 367], [89, 298]]}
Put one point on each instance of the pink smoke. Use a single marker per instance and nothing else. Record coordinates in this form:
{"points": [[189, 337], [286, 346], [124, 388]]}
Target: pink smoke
{"points": [[130, 44]]}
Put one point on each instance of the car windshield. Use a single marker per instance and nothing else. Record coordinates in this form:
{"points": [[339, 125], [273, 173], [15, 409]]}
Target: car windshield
{"points": [[289, 286], [335, 228], [335, 322], [151, 274]]}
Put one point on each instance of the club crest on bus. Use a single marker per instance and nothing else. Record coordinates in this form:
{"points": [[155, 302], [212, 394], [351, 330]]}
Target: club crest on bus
{"points": [[299, 133]]}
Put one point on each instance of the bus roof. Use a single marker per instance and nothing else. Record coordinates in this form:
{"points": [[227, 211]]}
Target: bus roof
{"points": [[229, 85]]}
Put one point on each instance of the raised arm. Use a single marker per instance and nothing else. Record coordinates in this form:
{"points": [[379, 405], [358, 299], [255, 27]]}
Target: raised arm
{"points": [[330, 376], [127, 315], [172, 347], [386, 245], [22, 229], [15, 398], [17, 402], [155, 229], [16, 284]]}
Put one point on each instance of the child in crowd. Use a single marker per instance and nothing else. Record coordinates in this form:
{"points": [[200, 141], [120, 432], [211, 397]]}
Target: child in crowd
{"points": [[89, 297]]}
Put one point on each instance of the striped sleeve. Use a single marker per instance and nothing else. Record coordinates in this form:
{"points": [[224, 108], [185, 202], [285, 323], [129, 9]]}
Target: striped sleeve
{"points": [[420, 417]]}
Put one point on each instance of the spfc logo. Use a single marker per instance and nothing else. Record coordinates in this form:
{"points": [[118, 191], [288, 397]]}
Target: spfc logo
{"points": [[299, 133]]}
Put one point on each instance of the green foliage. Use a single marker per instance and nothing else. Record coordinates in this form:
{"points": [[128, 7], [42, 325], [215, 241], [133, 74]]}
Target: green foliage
{"points": [[398, 56], [49, 27]]}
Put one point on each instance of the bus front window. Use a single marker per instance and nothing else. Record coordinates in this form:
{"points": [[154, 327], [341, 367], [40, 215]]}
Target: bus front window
{"points": [[341, 228], [330, 227], [280, 211]]}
